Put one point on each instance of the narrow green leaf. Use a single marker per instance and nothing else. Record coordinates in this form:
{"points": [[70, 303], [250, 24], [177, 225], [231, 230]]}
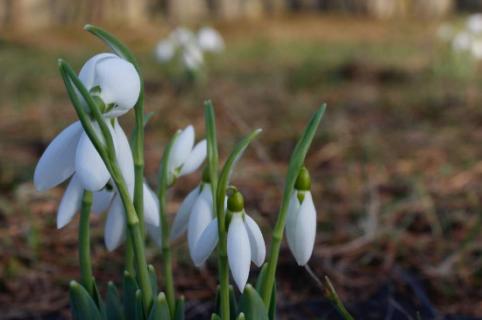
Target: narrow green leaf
{"points": [[233, 305], [215, 316], [98, 298], [180, 309], [259, 287], [229, 167], [160, 308], [213, 156], [113, 303], [252, 305], [132, 138], [130, 288], [152, 278], [115, 44], [83, 306]]}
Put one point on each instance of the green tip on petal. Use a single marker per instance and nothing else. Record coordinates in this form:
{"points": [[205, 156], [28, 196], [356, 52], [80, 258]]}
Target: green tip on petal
{"points": [[205, 177], [236, 202], [303, 182]]}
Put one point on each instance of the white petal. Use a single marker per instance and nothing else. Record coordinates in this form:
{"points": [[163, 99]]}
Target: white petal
{"points": [[210, 40], [192, 57], [89, 166], [207, 193], [124, 157], [305, 231], [239, 251], [182, 217], [256, 241], [181, 148], [120, 84], [151, 206], [87, 73], [195, 159], [293, 210], [206, 243], [201, 216], [71, 202], [102, 200], [183, 36], [165, 50], [155, 233], [115, 225], [58, 160]]}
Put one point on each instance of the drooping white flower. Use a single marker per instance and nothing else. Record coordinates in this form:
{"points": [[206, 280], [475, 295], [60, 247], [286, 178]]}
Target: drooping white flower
{"points": [[474, 23], [301, 220], [165, 50], [185, 157], [462, 41], [210, 40], [245, 243], [192, 57], [114, 80], [194, 215]]}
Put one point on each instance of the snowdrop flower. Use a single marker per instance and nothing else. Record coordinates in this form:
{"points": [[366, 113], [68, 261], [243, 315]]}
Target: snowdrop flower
{"points": [[165, 50], [192, 57], [462, 41], [301, 220], [210, 40], [183, 36], [114, 80], [245, 242], [194, 215], [186, 157], [474, 23]]}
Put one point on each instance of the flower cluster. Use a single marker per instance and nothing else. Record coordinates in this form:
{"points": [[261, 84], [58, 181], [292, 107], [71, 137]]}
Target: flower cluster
{"points": [[96, 155], [467, 39], [187, 48]]}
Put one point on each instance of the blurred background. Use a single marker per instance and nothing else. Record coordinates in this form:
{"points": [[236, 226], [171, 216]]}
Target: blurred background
{"points": [[397, 162]]}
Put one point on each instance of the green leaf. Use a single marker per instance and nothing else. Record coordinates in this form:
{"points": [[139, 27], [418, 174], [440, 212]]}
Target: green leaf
{"points": [[252, 305], [259, 287], [229, 167], [82, 304], [233, 305], [139, 307], [213, 157], [98, 298], [130, 288], [115, 44], [113, 303], [132, 139], [152, 278], [215, 316], [160, 309], [179, 314]]}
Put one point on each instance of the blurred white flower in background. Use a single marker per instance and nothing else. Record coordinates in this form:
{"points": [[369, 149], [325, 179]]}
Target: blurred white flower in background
{"points": [[186, 48], [465, 39]]}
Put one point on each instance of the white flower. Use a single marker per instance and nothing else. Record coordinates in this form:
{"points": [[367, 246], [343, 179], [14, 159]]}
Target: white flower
{"points": [[192, 57], [210, 40], [182, 36], [185, 157], [114, 80], [462, 41], [245, 244], [165, 50], [301, 226], [476, 49], [71, 152], [474, 23], [194, 214]]}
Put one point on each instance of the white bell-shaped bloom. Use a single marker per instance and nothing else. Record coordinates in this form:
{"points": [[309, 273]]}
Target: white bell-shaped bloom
{"points": [[301, 226], [183, 36], [474, 23], [194, 214], [192, 57], [114, 80], [185, 157], [462, 41], [210, 40], [165, 50], [245, 244]]}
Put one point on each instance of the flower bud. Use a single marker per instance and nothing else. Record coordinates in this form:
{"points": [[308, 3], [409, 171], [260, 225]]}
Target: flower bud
{"points": [[236, 202]]}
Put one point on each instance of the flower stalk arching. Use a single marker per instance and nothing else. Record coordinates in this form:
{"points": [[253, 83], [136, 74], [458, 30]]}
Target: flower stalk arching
{"points": [[86, 277], [164, 225], [107, 153], [294, 167]]}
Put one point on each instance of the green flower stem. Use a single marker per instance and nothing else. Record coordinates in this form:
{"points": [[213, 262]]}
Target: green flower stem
{"points": [[296, 163], [129, 258], [166, 248], [138, 155], [86, 278]]}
